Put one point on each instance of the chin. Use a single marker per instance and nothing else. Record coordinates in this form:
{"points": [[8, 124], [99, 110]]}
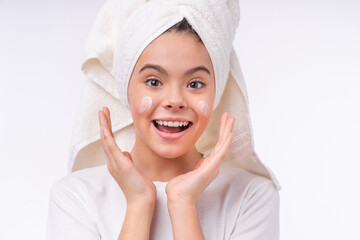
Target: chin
{"points": [[170, 152]]}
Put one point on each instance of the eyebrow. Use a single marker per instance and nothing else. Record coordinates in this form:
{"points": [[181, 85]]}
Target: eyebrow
{"points": [[163, 71]]}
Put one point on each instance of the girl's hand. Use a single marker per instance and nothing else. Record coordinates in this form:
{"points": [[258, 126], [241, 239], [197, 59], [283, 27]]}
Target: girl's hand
{"points": [[138, 190], [186, 188]]}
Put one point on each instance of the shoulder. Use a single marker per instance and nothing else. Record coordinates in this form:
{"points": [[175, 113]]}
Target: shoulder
{"points": [[240, 178], [84, 183], [88, 176], [240, 184]]}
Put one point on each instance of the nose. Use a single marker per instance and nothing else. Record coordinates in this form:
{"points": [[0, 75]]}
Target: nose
{"points": [[175, 100]]}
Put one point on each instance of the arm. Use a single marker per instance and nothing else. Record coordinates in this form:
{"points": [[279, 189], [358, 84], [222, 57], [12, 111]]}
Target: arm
{"points": [[140, 192], [185, 223], [137, 222]]}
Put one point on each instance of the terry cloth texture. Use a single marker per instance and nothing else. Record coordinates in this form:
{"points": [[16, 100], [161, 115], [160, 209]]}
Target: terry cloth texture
{"points": [[119, 35]]}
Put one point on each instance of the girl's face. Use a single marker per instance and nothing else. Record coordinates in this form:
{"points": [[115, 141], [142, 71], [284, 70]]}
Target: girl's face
{"points": [[171, 94]]}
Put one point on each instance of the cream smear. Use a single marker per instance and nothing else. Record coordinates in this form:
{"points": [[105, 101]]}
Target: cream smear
{"points": [[145, 104], [204, 108]]}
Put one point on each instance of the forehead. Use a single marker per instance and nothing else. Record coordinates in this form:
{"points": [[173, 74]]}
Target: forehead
{"points": [[175, 50]]}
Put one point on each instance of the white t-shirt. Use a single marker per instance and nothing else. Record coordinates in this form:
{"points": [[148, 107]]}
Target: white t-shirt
{"points": [[88, 204]]}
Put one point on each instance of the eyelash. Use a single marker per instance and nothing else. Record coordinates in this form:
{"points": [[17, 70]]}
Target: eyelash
{"points": [[198, 82], [149, 81]]}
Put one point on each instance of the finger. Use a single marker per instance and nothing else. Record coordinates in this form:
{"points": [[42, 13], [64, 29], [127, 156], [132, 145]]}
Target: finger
{"points": [[127, 154], [199, 163], [105, 139], [108, 118], [109, 160], [105, 122], [222, 127], [225, 147], [224, 118], [222, 151], [227, 130], [112, 151], [229, 126], [102, 119], [109, 144], [111, 163]]}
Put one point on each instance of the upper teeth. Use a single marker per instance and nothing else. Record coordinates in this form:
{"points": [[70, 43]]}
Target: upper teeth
{"points": [[172, 123]]}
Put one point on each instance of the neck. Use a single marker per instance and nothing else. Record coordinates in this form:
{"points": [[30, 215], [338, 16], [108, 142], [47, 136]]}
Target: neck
{"points": [[158, 168]]}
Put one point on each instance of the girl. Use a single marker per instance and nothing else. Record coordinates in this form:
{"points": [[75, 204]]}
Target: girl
{"points": [[165, 188]]}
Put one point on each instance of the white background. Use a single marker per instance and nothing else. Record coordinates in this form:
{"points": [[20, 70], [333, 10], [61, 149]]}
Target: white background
{"points": [[301, 61]]}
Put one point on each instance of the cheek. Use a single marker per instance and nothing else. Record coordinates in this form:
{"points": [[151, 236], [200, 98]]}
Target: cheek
{"points": [[145, 104], [204, 108]]}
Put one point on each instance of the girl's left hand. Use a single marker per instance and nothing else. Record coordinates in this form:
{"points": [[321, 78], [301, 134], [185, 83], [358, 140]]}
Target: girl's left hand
{"points": [[186, 188]]}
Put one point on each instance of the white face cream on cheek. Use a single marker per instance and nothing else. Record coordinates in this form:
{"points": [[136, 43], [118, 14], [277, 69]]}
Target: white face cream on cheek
{"points": [[145, 104], [204, 108]]}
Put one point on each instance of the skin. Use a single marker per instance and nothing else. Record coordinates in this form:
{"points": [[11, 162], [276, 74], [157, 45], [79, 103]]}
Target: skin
{"points": [[174, 94], [204, 108], [145, 104]]}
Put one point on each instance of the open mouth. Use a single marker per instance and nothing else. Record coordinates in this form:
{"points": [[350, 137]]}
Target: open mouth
{"points": [[171, 126]]}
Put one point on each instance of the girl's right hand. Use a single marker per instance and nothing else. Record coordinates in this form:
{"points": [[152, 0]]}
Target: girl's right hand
{"points": [[138, 190]]}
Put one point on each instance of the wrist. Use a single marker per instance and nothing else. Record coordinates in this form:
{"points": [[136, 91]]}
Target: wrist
{"points": [[184, 221], [177, 201], [141, 206], [137, 222], [143, 202], [179, 206]]}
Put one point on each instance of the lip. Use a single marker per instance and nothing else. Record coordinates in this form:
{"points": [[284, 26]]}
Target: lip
{"points": [[170, 136]]}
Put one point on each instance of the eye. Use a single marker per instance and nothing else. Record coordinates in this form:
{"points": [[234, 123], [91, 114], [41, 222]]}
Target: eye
{"points": [[153, 82], [196, 84]]}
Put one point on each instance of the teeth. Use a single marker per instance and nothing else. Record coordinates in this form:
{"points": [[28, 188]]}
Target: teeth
{"points": [[172, 123]]}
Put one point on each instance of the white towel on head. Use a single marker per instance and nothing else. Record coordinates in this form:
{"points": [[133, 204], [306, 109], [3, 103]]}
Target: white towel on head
{"points": [[120, 33]]}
